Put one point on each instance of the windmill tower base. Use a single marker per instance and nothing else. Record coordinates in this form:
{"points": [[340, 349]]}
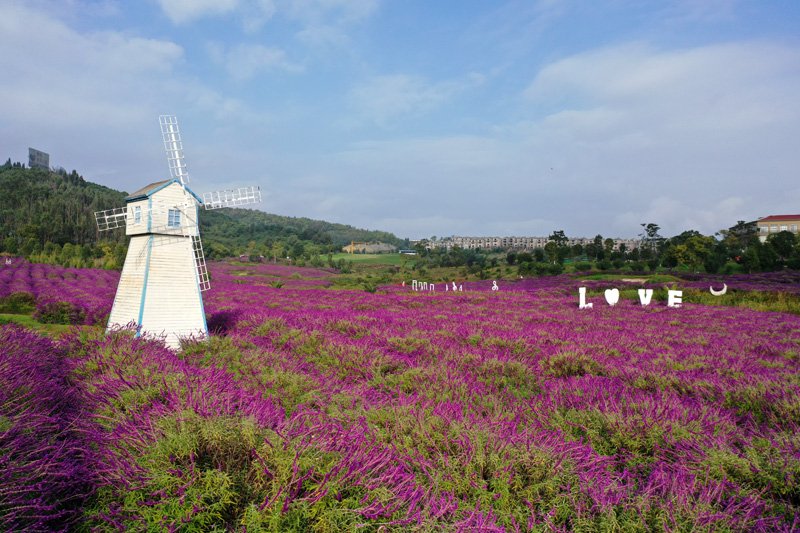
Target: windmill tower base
{"points": [[155, 291]]}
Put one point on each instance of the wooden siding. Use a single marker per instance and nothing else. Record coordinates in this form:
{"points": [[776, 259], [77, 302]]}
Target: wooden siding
{"points": [[157, 206], [158, 289], [141, 228], [127, 300]]}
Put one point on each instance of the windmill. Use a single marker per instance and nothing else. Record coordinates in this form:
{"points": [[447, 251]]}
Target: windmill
{"points": [[164, 275]]}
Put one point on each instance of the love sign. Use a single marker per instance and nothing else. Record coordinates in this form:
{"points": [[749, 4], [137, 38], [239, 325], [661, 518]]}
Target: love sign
{"points": [[612, 296], [674, 298]]}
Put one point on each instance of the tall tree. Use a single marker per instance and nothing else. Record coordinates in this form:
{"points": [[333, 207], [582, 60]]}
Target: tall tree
{"points": [[559, 238], [650, 239], [783, 242], [695, 250], [551, 249]]}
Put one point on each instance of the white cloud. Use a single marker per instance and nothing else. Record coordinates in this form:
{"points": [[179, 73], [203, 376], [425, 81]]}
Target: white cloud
{"points": [[320, 36], [421, 227], [705, 11], [612, 138], [384, 98], [707, 215], [689, 127], [732, 82], [256, 14], [245, 61], [63, 77], [180, 11], [91, 99], [323, 22], [341, 11]]}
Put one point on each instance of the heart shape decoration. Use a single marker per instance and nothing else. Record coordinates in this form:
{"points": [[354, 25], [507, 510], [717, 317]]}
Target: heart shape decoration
{"points": [[612, 296]]}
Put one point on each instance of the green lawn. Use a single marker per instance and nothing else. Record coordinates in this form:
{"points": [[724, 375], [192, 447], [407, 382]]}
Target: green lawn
{"points": [[27, 321], [377, 259]]}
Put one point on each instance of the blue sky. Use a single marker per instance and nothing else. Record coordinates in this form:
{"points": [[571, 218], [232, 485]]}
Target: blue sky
{"points": [[424, 118]]}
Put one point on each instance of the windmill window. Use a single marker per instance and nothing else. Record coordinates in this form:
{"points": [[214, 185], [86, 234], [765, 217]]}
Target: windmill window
{"points": [[137, 214], [174, 220]]}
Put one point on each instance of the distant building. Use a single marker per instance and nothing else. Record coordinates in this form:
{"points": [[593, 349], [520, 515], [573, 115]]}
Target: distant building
{"points": [[37, 159], [776, 224], [367, 248], [521, 243]]}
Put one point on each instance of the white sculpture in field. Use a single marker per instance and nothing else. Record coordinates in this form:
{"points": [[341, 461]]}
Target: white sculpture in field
{"points": [[164, 275], [674, 297], [719, 292]]}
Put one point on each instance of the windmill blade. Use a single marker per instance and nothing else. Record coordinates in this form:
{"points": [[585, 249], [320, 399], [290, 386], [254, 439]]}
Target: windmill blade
{"points": [[203, 278], [232, 197], [174, 147], [111, 218]]}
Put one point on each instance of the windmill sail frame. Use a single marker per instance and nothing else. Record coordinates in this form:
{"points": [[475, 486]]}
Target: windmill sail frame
{"points": [[232, 197], [173, 145]]}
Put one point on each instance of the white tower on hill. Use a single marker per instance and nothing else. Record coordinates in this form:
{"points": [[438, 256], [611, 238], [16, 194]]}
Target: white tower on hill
{"points": [[161, 284]]}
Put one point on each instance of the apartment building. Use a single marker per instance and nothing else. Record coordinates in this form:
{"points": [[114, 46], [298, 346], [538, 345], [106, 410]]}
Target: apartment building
{"points": [[776, 224], [520, 243]]}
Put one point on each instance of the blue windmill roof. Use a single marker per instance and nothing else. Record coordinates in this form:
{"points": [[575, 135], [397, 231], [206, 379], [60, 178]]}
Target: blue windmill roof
{"points": [[149, 190]]}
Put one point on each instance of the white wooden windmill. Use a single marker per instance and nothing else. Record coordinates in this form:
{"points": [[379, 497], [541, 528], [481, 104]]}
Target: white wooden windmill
{"points": [[161, 285]]}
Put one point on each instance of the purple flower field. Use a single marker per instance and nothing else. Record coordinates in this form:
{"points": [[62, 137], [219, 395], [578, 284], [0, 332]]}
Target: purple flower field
{"points": [[265, 275], [785, 281], [319, 410], [90, 290]]}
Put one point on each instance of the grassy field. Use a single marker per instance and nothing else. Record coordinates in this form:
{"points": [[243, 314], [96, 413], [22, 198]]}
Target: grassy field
{"points": [[391, 410], [377, 259], [381, 409], [27, 321]]}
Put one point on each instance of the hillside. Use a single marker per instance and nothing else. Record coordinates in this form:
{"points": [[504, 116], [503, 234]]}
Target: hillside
{"points": [[51, 207], [40, 208], [237, 228]]}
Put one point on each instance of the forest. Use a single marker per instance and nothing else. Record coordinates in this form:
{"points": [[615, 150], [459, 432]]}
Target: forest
{"points": [[48, 217]]}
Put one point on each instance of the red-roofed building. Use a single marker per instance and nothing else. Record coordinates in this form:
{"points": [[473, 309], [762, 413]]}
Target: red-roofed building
{"points": [[777, 223]]}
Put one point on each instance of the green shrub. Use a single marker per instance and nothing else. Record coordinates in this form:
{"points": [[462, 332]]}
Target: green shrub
{"points": [[19, 302], [662, 278], [60, 313], [369, 287], [568, 364]]}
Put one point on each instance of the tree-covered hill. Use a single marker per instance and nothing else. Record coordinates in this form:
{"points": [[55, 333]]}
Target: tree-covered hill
{"points": [[42, 211], [253, 231], [56, 207]]}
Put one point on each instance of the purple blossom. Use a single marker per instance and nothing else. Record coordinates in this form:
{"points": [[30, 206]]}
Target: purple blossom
{"points": [[477, 410]]}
